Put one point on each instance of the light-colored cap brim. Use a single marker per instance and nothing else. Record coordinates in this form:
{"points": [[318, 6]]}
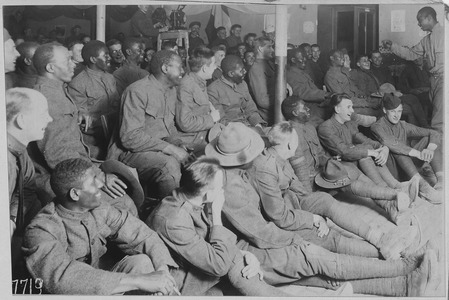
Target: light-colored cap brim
{"points": [[247, 155]]}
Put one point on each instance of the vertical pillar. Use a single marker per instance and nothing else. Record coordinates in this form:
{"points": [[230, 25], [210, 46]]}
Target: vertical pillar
{"points": [[281, 60], [101, 23]]}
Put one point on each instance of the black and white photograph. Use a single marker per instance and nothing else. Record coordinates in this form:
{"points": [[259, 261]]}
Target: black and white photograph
{"points": [[262, 148]]}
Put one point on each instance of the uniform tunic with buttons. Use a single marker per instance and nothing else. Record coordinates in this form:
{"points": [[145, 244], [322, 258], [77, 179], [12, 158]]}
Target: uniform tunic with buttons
{"points": [[18, 151], [193, 109], [234, 102], [63, 247], [95, 94], [345, 140], [62, 139]]}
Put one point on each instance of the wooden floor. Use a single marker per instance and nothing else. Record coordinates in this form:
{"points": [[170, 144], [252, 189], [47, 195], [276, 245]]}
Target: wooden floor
{"points": [[431, 223], [433, 216], [373, 214]]}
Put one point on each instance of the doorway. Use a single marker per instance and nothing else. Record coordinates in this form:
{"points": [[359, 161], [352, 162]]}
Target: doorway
{"points": [[353, 27]]}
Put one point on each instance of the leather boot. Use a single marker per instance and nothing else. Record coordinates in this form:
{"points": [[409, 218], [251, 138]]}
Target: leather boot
{"points": [[411, 188], [421, 281], [440, 181], [391, 208], [427, 173], [403, 201], [429, 193]]}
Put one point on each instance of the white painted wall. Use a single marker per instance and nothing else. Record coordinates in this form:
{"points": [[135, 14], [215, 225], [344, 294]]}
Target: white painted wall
{"points": [[297, 34], [412, 34]]}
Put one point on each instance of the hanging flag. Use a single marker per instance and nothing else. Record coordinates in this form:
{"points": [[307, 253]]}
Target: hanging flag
{"points": [[219, 17], [222, 17]]}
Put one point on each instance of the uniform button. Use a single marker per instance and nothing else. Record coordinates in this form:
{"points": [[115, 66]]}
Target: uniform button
{"points": [[92, 242]]}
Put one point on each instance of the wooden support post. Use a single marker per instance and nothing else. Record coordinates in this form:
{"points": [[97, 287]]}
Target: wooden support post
{"points": [[281, 60], [101, 23]]}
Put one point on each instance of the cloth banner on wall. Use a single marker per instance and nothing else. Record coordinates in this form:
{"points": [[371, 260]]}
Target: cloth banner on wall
{"points": [[219, 17]]}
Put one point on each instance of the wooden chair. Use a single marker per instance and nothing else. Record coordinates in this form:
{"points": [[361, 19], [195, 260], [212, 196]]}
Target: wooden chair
{"points": [[181, 36]]}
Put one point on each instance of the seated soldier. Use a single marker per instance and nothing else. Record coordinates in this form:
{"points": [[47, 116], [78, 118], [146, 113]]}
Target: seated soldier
{"points": [[415, 80], [261, 78], [26, 119], [307, 49], [130, 71], [364, 78], [94, 92], [379, 69], [287, 203], [170, 45], [148, 139], [26, 72], [221, 37], [182, 52], [310, 160], [11, 54], [194, 36], [346, 60], [315, 66], [287, 256], [219, 53], [319, 65], [338, 80], [395, 134], [341, 137], [304, 86], [116, 54], [234, 37], [149, 52], [240, 50], [231, 97], [195, 114], [249, 40], [63, 137], [75, 48], [249, 59], [64, 243], [183, 224]]}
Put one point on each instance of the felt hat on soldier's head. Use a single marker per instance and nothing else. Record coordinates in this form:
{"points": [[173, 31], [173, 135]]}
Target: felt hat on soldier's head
{"points": [[333, 176], [390, 101], [194, 23], [236, 145]]}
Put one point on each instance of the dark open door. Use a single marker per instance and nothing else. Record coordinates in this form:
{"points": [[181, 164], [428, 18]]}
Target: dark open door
{"points": [[366, 37], [348, 26]]}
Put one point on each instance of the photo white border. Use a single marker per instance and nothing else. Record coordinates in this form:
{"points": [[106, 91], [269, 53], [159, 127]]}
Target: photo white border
{"points": [[5, 275]]}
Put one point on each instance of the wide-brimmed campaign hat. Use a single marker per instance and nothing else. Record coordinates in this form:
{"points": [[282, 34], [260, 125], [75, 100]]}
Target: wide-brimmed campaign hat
{"points": [[236, 145], [334, 176], [387, 88], [123, 172]]}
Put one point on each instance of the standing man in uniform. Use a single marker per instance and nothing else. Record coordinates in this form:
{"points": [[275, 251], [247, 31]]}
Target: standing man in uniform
{"points": [[431, 48]]}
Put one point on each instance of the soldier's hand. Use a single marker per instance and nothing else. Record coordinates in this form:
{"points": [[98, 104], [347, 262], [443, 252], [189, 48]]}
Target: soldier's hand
{"points": [[113, 186], [252, 266]]}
